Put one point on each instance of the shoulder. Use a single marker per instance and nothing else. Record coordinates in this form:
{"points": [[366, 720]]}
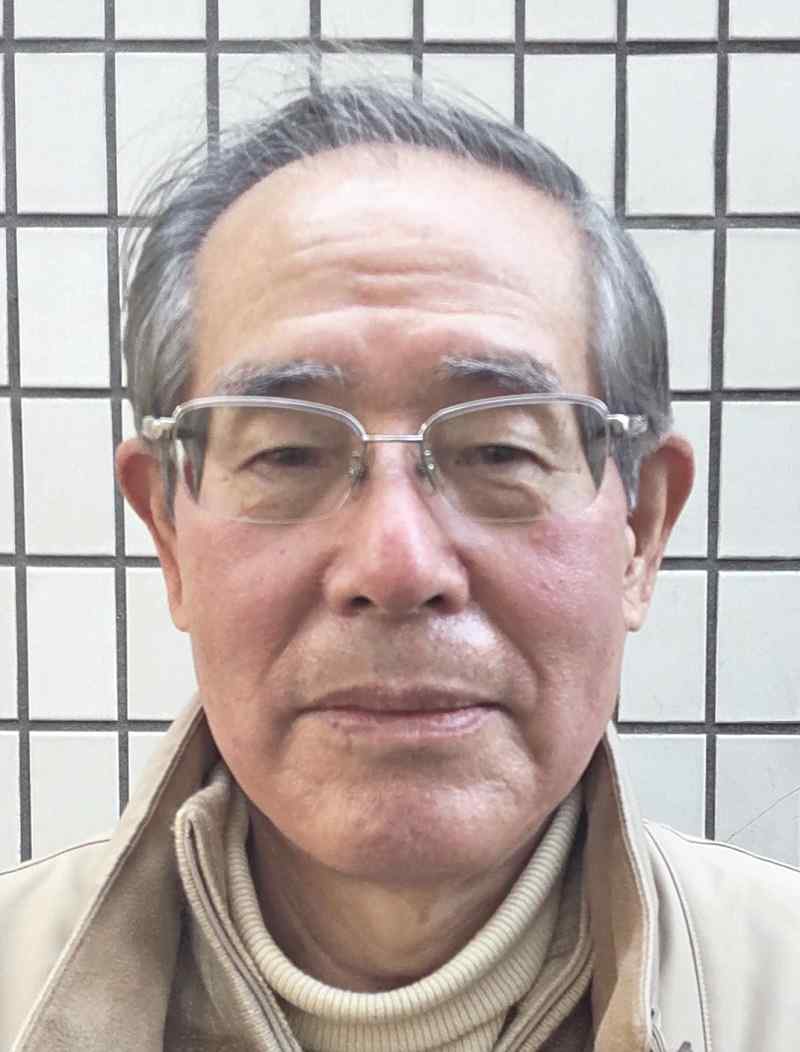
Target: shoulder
{"points": [[738, 916], [40, 904]]}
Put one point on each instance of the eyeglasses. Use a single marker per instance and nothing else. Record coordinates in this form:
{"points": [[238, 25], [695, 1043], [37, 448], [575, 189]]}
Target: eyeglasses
{"points": [[282, 460]]}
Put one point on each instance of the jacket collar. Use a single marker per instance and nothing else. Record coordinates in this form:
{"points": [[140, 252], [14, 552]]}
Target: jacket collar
{"points": [[139, 902]]}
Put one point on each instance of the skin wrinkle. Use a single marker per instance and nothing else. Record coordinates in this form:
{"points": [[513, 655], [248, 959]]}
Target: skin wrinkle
{"points": [[398, 852]]}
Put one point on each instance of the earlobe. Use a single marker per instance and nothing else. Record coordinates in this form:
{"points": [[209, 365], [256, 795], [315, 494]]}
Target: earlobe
{"points": [[140, 479], [665, 481]]}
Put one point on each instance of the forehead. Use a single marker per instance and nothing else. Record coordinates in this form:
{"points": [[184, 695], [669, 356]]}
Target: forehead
{"points": [[390, 258]]}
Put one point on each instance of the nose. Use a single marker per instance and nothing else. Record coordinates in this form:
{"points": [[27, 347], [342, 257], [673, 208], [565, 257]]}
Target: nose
{"points": [[395, 557]]}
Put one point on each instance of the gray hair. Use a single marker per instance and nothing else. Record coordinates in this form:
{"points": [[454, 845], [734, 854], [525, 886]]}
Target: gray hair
{"points": [[627, 334]]}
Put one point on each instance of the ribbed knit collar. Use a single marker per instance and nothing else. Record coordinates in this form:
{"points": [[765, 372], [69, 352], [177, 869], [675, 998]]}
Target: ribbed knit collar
{"points": [[533, 954]]}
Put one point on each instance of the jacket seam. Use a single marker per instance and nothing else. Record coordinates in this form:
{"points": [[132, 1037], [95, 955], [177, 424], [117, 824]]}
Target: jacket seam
{"points": [[690, 928], [31, 863], [699, 841]]}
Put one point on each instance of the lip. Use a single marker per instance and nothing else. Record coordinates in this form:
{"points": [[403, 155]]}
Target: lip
{"points": [[411, 713]]}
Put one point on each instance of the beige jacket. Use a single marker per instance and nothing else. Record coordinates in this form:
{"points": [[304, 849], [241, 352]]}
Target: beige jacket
{"points": [[697, 945]]}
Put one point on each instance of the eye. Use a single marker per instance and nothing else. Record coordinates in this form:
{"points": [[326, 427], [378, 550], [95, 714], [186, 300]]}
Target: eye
{"points": [[287, 457]]}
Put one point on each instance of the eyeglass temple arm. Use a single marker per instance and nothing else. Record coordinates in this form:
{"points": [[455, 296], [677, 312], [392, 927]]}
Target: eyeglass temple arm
{"points": [[625, 424], [155, 428]]}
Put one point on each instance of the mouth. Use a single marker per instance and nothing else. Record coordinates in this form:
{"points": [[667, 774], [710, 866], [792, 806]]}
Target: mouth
{"points": [[404, 713]]}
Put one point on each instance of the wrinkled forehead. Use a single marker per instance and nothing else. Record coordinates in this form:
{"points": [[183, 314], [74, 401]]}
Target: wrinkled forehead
{"points": [[390, 230]]}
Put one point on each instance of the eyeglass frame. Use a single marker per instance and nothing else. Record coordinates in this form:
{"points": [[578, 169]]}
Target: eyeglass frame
{"points": [[160, 429]]}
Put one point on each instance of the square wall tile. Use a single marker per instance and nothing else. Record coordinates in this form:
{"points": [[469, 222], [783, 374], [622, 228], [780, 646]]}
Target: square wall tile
{"points": [[682, 262], [72, 643], [242, 19], [3, 309], [677, 20], [43, 18], [764, 18], [8, 645], [338, 69], [161, 111], [759, 491], [74, 788], [488, 79], [61, 134], [63, 307], [69, 495], [758, 659], [763, 153], [761, 811], [570, 20], [391, 19], [690, 535], [161, 677], [2, 141], [142, 746], [469, 20], [762, 309], [9, 788], [250, 86], [655, 686], [6, 479], [178, 18], [668, 772], [671, 125], [137, 537], [569, 105]]}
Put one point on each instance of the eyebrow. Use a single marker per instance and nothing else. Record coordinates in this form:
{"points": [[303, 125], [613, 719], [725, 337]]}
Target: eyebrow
{"points": [[512, 371]]}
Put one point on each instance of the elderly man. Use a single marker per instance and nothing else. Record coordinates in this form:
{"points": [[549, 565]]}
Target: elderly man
{"points": [[405, 453]]}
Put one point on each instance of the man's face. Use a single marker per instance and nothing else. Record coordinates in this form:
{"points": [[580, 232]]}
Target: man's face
{"points": [[305, 635]]}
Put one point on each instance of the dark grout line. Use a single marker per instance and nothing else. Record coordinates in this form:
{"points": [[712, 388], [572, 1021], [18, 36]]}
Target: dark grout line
{"points": [[698, 729], [80, 726], [519, 63], [14, 374], [417, 38], [621, 112]]}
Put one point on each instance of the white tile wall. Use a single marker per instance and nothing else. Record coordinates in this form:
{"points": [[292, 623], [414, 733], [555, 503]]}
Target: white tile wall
{"points": [[141, 747], [335, 69], [161, 109], [682, 264], [43, 18], [677, 20], [570, 20], [63, 307], [3, 309], [74, 787], [161, 676], [61, 148], [667, 682], [243, 19], [178, 18], [390, 19], [469, 20], [2, 137], [762, 309], [71, 619], [569, 104], [758, 659], [6, 479], [690, 536], [671, 120], [763, 152], [760, 812], [488, 78], [764, 18], [8, 649], [68, 476], [668, 773], [9, 790], [759, 494], [249, 83]]}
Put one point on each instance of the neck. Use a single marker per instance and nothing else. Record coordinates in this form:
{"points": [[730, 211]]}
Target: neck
{"points": [[360, 935]]}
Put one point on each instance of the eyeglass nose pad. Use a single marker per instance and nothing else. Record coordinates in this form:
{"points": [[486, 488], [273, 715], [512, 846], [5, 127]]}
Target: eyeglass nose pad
{"points": [[427, 467]]}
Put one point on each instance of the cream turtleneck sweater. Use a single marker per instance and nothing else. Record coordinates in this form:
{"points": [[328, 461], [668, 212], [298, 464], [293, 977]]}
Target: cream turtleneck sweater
{"points": [[520, 983]]}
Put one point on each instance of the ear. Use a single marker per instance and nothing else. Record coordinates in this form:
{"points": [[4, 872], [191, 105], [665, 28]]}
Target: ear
{"points": [[665, 481], [140, 479]]}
